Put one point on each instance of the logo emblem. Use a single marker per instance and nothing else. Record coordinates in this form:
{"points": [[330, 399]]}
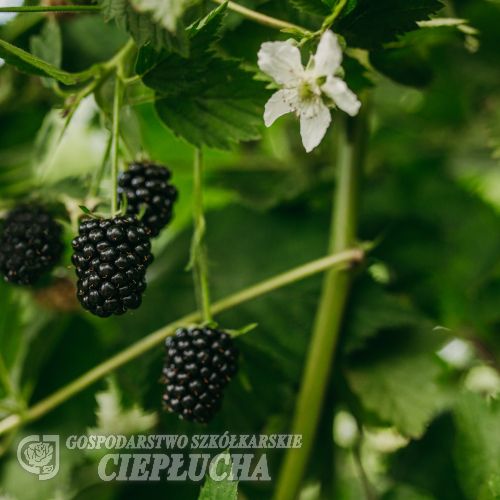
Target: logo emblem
{"points": [[39, 456]]}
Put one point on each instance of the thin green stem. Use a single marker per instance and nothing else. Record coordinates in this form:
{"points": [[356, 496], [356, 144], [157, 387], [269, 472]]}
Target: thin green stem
{"points": [[368, 488], [248, 13], [48, 404], [331, 18], [65, 8], [114, 146], [199, 258], [330, 311], [9, 388], [96, 181], [261, 18]]}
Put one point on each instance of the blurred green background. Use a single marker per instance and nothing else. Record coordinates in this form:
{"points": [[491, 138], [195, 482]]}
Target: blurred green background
{"points": [[417, 370]]}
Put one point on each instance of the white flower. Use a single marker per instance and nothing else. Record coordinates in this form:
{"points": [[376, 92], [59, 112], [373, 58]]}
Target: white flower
{"points": [[305, 90]]}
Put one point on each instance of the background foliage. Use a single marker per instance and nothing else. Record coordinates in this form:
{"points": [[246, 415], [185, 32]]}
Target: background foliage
{"points": [[412, 401]]}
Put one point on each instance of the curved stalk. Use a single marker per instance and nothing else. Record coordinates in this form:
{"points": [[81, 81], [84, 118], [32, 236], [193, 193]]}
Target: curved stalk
{"points": [[48, 404], [330, 311]]}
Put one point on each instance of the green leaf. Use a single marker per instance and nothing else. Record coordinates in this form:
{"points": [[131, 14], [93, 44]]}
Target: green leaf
{"points": [[206, 100], [225, 489], [148, 58], [28, 63], [373, 310], [368, 24], [401, 390], [85, 210], [477, 444], [143, 28], [48, 46], [312, 7], [168, 13]]}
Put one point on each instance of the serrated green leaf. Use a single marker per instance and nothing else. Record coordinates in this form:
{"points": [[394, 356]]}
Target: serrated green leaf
{"points": [[148, 58], [143, 28], [368, 24], [225, 489], [206, 100], [168, 13], [373, 310], [28, 63], [400, 390], [48, 46], [316, 7]]}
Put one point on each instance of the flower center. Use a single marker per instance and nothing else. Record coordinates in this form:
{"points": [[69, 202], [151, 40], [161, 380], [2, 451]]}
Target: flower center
{"points": [[306, 91]]}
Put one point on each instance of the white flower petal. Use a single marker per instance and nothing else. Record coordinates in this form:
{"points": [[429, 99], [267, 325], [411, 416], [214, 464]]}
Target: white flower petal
{"points": [[281, 102], [344, 98], [281, 61], [328, 56], [314, 121]]}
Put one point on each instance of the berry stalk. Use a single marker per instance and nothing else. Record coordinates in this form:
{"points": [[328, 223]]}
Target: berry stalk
{"points": [[199, 250], [114, 146], [152, 340], [331, 307]]}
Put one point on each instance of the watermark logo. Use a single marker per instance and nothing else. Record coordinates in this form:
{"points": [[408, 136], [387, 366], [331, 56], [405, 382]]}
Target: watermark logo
{"points": [[40, 456]]}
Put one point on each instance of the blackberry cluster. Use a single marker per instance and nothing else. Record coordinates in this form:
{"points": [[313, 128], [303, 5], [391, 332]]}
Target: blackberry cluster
{"points": [[30, 244], [111, 257], [148, 184], [200, 363]]}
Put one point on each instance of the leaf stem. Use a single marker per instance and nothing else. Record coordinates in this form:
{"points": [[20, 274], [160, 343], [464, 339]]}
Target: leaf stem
{"points": [[114, 146], [199, 258], [329, 315], [48, 404], [65, 8], [261, 18]]}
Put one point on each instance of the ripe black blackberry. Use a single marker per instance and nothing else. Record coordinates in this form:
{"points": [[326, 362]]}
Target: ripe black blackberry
{"points": [[148, 184], [111, 257], [200, 363], [30, 244]]}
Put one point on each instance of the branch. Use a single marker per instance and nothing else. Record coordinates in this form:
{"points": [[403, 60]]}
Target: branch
{"points": [[46, 405], [248, 13], [65, 8], [326, 330]]}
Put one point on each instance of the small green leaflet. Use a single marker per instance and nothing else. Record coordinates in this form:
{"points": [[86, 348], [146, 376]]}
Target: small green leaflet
{"points": [[48, 46], [143, 28], [400, 390], [223, 489], [203, 99], [368, 24], [28, 63]]}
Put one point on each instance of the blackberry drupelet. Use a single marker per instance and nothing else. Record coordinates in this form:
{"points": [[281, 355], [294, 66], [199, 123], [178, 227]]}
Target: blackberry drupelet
{"points": [[200, 363], [30, 244], [148, 184], [111, 257]]}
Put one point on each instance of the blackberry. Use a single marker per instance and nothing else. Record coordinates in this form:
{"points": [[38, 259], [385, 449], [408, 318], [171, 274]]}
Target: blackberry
{"points": [[111, 257], [200, 363], [148, 184], [30, 244]]}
